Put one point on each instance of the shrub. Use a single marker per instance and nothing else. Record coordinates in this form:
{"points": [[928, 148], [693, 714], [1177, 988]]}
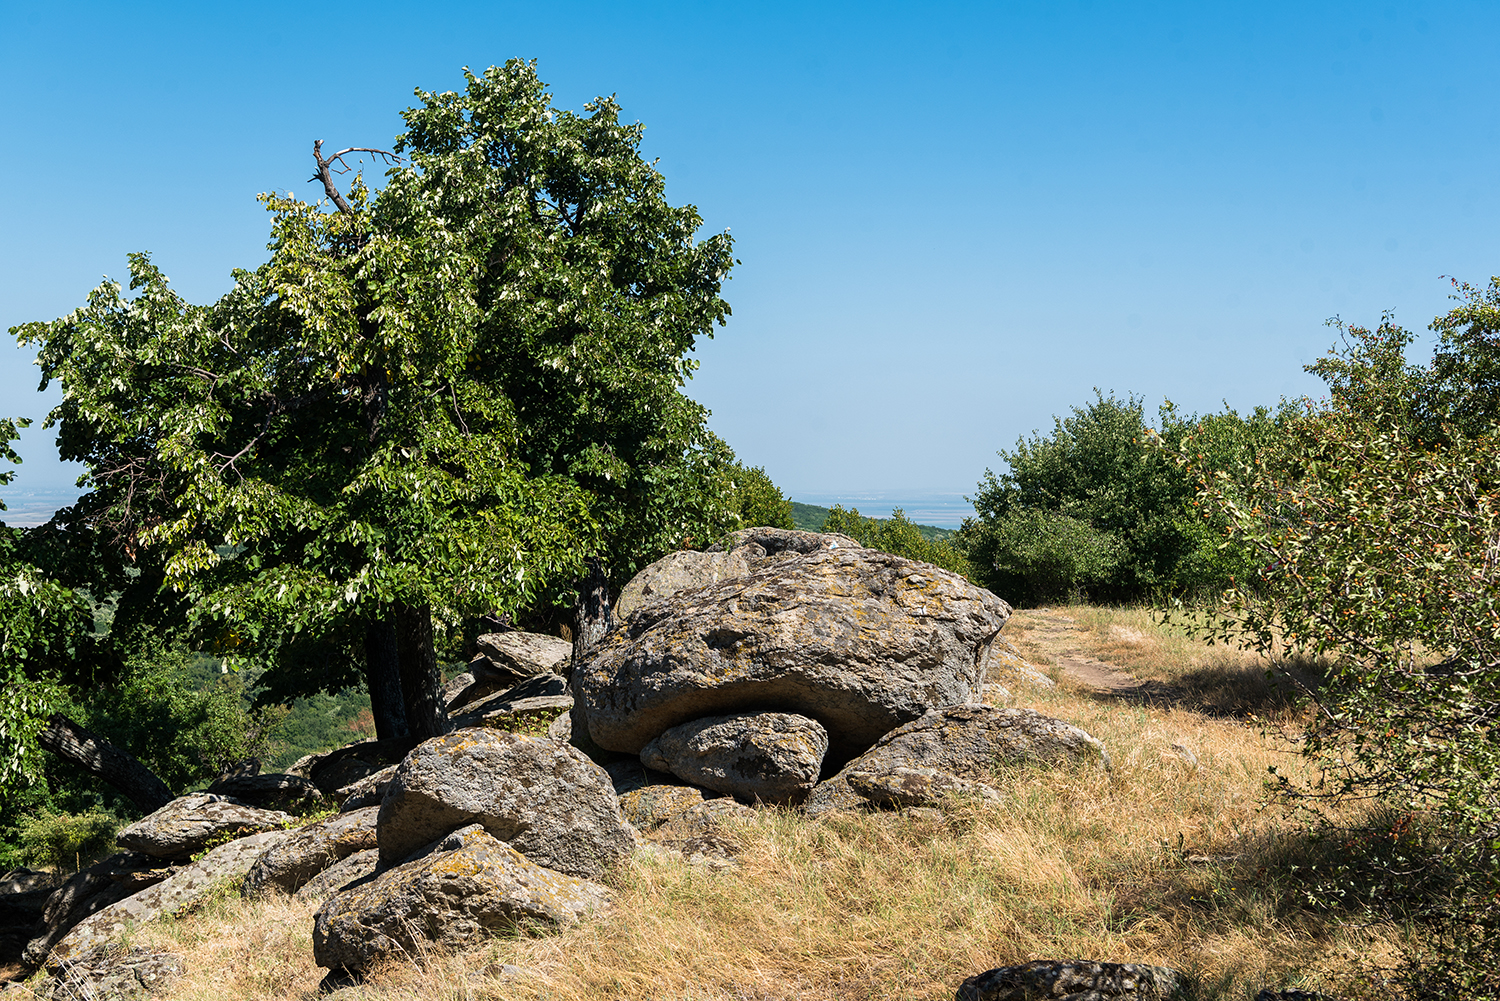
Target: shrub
{"points": [[759, 502], [1032, 555], [898, 536], [50, 839]]}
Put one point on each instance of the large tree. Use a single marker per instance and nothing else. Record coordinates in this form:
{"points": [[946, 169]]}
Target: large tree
{"points": [[430, 402]]}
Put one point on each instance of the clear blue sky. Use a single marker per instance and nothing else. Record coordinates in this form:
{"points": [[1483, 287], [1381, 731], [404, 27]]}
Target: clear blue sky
{"points": [[954, 220]]}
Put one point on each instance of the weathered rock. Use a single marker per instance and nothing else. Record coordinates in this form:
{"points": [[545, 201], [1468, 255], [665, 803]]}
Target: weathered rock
{"points": [[707, 816], [271, 790], [228, 862], [538, 693], [471, 886], [995, 695], [1077, 980], [183, 827], [368, 791], [648, 807], [88, 892], [456, 686], [861, 641], [908, 787], [114, 972], [685, 570], [547, 799], [763, 542], [966, 741], [25, 881], [774, 757], [308, 850], [526, 653], [336, 769], [340, 876], [561, 729], [1005, 663]]}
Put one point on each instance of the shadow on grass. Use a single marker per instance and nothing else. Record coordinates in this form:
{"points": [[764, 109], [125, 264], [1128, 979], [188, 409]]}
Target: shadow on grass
{"points": [[1238, 692]]}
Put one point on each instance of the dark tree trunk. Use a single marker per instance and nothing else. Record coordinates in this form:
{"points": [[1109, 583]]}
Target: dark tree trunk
{"points": [[383, 674], [113, 764], [421, 681], [592, 616]]}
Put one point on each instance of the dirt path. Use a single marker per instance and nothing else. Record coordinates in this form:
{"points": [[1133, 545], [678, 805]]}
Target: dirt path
{"points": [[1055, 634]]}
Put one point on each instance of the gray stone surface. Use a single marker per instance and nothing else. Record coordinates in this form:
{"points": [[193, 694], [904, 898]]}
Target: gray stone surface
{"points": [[966, 741], [269, 791], [547, 799], [472, 885], [648, 807], [861, 641], [183, 827], [308, 850], [340, 875], [368, 791], [685, 570], [186, 884], [1074, 980], [909, 787], [504, 659], [538, 693], [774, 757], [88, 892], [1004, 663], [113, 972]]}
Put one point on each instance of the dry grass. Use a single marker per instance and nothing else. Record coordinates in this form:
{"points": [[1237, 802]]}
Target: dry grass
{"points": [[1074, 863]]}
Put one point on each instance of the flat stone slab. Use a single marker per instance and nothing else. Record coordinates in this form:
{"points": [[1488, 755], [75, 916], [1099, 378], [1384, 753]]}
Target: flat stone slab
{"points": [[227, 862], [185, 826]]}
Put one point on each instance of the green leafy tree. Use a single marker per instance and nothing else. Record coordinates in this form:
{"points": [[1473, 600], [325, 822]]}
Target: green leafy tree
{"points": [[429, 403], [1096, 468], [898, 536], [758, 501], [1036, 555], [1465, 369]]}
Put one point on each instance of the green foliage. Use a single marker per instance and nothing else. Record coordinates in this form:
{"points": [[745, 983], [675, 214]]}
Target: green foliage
{"points": [[51, 840], [898, 536], [1097, 468], [1465, 369], [1037, 555], [1378, 551], [810, 518], [758, 501]]}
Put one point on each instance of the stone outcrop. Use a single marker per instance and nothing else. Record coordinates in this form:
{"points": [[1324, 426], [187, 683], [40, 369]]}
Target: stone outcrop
{"points": [[538, 693], [468, 886], [774, 757], [1077, 980], [114, 972], [965, 741], [648, 807], [685, 570], [546, 799], [334, 770], [1005, 663], [308, 850], [368, 791], [88, 892], [908, 787], [185, 826], [184, 886], [269, 791], [340, 876], [861, 641], [503, 661]]}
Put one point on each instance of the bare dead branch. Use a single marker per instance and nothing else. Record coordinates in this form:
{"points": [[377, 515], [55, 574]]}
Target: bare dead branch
{"points": [[336, 164]]}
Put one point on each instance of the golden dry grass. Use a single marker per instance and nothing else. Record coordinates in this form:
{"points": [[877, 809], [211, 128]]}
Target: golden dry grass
{"points": [[1159, 860]]}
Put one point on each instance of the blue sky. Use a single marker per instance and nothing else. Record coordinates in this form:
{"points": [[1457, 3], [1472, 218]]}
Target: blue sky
{"points": [[954, 220]]}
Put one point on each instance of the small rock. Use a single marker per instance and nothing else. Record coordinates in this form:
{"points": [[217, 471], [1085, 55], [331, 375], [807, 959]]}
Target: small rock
{"points": [[115, 972], [340, 876], [1005, 662], [915, 787], [684, 570], [773, 757], [540, 692], [368, 791], [995, 695], [185, 826], [1076, 980], [469, 886], [649, 807], [525, 654], [269, 790]]}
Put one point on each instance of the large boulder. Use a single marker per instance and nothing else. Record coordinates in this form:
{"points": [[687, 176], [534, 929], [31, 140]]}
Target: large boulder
{"points": [[226, 863], [1075, 980], [685, 570], [468, 886], [506, 659], [113, 971], [185, 826], [774, 757], [309, 850], [368, 791], [547, 799], [860, 640], [340, 876], [538, 693], [87, 892], [269, 791], [965, 741]]}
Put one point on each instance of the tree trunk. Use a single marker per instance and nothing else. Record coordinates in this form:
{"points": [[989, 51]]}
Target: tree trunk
{"points": [[421, 681], [593, 618], [383, 675], [113, 764]]}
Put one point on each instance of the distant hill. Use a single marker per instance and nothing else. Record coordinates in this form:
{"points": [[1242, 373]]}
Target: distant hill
{"points": [[810, 518]]}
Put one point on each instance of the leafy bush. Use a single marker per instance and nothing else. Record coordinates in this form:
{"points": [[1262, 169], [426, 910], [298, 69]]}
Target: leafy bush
{"points": [[50, 840], [758, 501], [1036, 555], [898, 536]]}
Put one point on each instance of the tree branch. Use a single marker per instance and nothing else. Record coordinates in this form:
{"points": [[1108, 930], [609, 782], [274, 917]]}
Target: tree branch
{"points": [[113, 764], [326, 169]]}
